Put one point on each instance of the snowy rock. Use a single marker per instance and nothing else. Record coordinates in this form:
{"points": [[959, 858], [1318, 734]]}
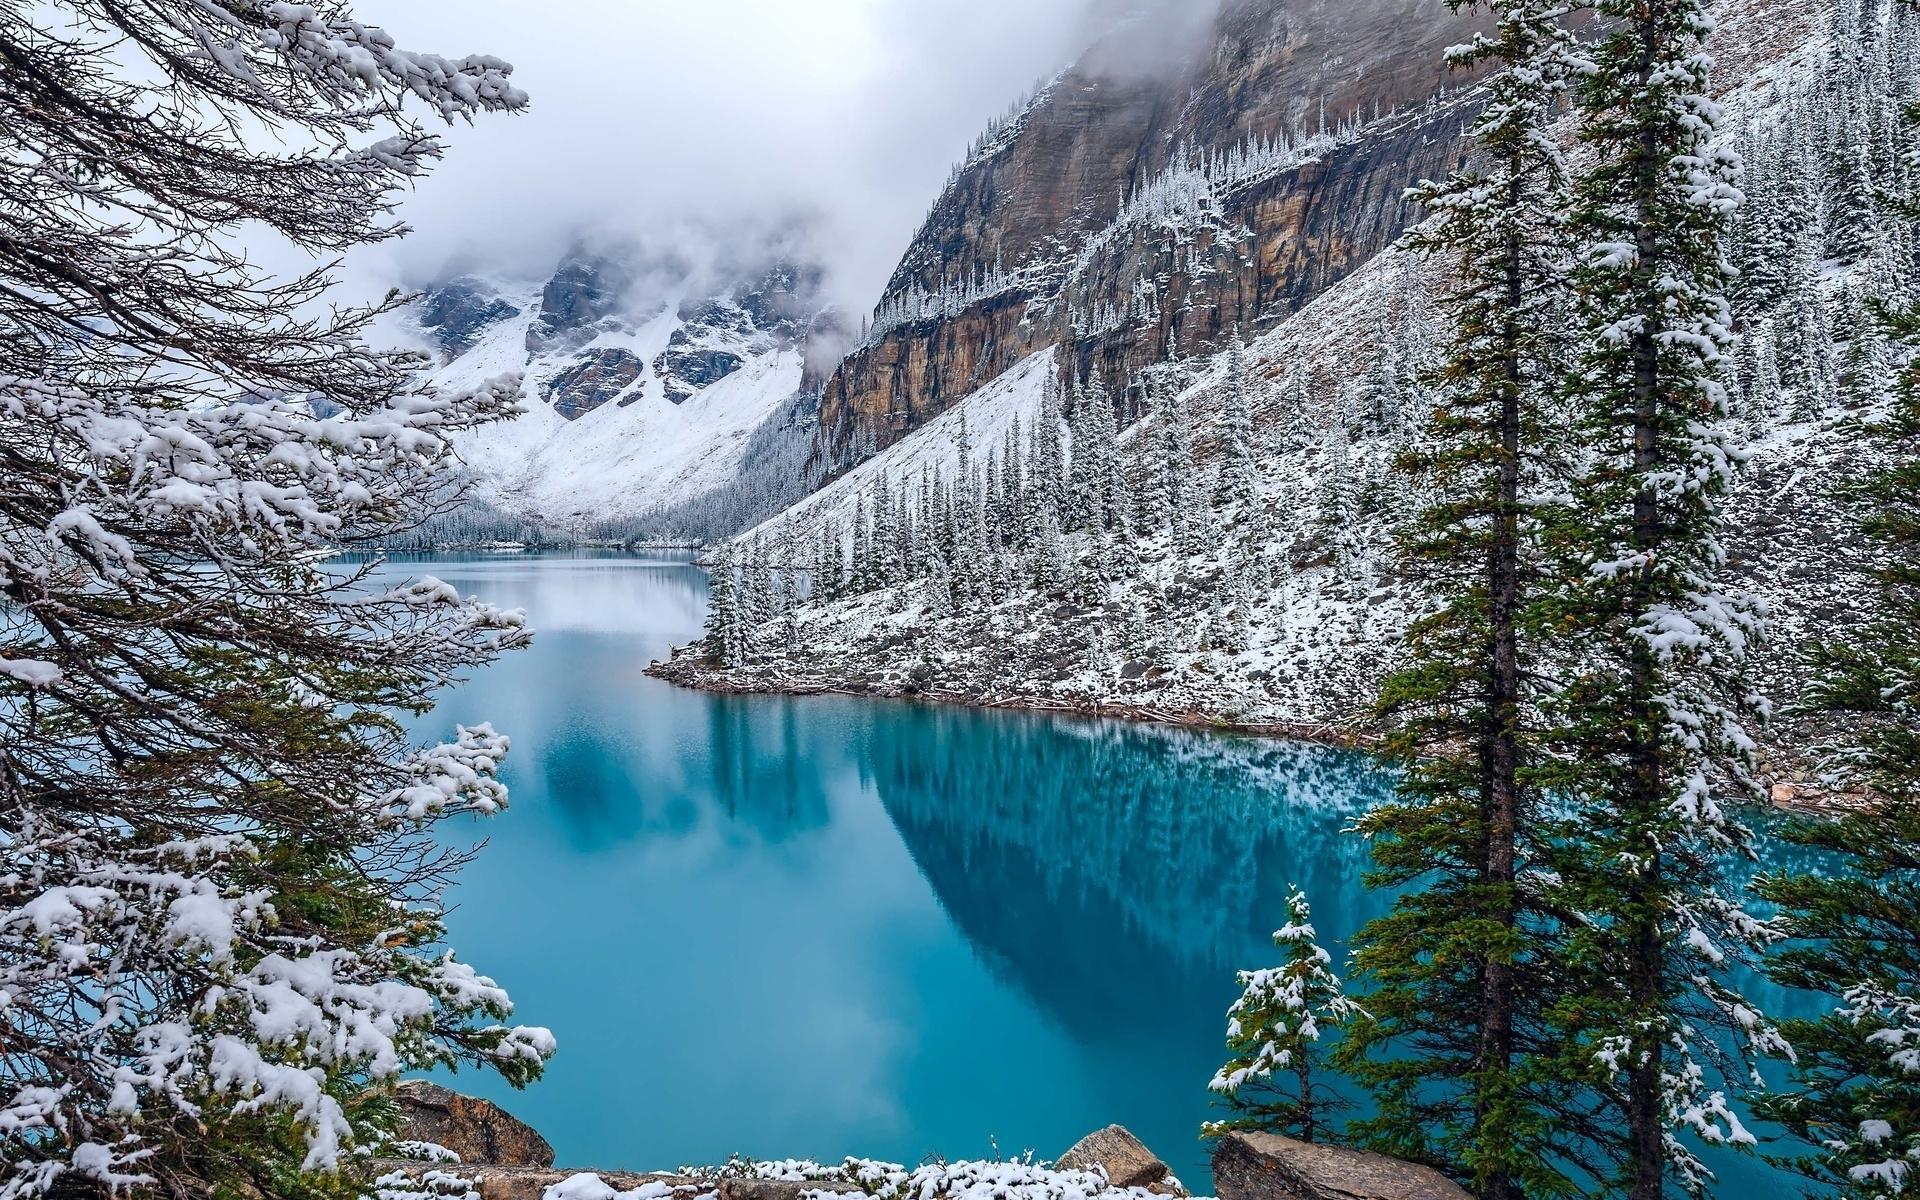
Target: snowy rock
{"points": [[459, 311], [1127, 1162], [593, 379], [1265, 1166], [423, 1181], [685, 370], [479, 1131], [586, 290]]}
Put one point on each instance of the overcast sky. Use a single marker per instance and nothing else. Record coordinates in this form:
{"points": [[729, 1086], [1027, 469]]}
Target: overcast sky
{"points": [[648, 111]]}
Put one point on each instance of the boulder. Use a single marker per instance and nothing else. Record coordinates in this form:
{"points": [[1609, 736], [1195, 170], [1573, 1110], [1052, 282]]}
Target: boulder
{"points": [[479, 1131], [1127, 1162], [1265, 1166]]}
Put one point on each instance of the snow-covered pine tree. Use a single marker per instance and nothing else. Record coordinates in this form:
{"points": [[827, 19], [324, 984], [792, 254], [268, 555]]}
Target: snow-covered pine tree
{"points": [[965, 483], [1156, 500], [1466, 962], [1014, 500], [1107, 502], [756, 601], [1805, 349], [1770, 231], [1083, 488], [722, 623], [1238, 483], [1334, 490], [862, 578], [1651, 701], [1855, 1096], [1853, 217], [1173, 474], [1380, 400], [1294, 423], [1761, 404], [1273, 1033], [886, 530], [219, 913], [1048, 456], [830, 576], [991, 490]]}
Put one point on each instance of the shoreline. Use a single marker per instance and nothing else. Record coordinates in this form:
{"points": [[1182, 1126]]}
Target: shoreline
{"points": [[685, 670]]}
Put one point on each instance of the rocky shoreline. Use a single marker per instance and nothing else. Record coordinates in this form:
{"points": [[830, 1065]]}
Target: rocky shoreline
{"points": [[1792, 783], [688, 670], [455, 1147]]}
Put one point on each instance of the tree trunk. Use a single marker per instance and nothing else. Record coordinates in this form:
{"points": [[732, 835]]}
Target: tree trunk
{"points": [[1646, 1124], [1502, 799]]}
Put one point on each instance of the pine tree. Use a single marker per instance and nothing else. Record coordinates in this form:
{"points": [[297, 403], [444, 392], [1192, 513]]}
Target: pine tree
{"points": [[1806, 350], [1335, 490], [1049, 459], [886, 530], [1770, 228], [1651, 703], [1273, 1030], [756, 605], [864, 579], [1239, 479], [1084, 471], [221, 929], [722, 624], [1855, 1096], [1762, 402], [1380, 397], [1467, 963], [1853, 215]]}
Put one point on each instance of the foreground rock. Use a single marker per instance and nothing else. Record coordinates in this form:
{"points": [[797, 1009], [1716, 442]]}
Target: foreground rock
{"points": [[479, 1131], [504, 1159], [1127, 1162], [1265, 1166]]}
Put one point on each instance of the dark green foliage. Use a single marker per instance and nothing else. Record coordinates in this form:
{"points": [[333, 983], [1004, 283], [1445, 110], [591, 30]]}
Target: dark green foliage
{"points": [[1464, 966], [1651, 704]]}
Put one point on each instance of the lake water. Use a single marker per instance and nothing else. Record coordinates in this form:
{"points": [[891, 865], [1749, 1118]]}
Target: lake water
{"points": [[814, 927]]}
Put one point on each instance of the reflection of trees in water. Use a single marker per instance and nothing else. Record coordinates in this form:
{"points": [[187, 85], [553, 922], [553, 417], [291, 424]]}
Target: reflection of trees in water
{"points": [[1111, 870], [755, 768], [592, 782], [765, 769]]}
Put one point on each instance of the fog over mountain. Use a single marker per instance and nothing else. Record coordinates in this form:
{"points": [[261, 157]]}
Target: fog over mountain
{"points": [[667, 121]]}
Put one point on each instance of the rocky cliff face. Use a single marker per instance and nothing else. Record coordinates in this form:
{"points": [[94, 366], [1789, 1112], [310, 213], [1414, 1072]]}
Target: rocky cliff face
{"points": [[1138, 210]]}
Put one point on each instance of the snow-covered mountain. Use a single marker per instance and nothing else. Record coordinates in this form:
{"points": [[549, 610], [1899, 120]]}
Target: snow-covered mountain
{"points": [[646, 378]]}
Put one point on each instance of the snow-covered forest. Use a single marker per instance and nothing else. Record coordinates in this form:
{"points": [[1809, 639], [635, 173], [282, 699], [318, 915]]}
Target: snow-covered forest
{"points": [[1223, 543]]}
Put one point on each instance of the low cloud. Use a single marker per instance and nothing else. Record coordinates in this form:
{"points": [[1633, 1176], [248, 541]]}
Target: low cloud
{"points": [[677, 121]]}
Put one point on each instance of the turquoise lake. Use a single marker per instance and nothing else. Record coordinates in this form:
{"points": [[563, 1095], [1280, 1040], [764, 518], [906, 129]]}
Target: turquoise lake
{"points": [[815, 927]]}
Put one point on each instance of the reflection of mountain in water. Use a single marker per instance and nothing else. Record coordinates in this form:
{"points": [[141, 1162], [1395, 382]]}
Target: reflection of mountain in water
{"points": [[1115, 872]]}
